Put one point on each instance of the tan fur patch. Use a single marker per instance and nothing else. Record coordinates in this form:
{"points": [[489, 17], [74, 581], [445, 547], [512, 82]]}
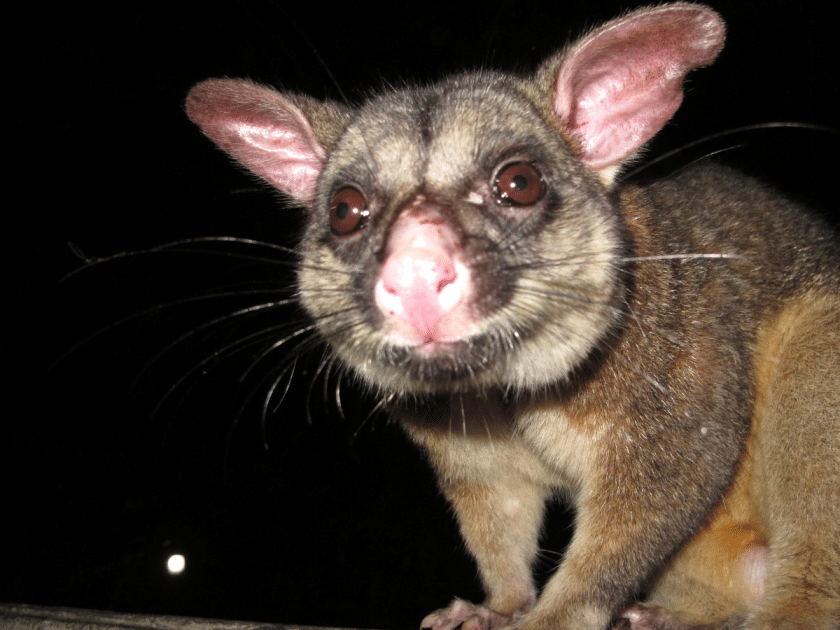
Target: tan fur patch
{"points": [[705, 582]]}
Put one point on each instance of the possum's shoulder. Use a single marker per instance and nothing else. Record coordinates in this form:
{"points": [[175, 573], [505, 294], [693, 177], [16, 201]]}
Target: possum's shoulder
{"points": [[721, 188], [711, 195], [718, 209]]}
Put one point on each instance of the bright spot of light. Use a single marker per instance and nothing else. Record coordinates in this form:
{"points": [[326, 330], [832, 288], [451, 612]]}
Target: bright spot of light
{"points": [[175, 564]]}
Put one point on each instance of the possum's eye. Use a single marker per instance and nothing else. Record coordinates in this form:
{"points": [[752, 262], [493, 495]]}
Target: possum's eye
{"points": [[348, 212], [518, 184]]}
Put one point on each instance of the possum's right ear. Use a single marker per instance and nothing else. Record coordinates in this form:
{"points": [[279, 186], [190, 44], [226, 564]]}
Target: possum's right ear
{"points": [[261, 129], [615, 88]]}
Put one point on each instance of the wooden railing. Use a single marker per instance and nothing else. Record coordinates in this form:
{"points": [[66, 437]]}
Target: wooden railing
{"points": [[23, 617]]}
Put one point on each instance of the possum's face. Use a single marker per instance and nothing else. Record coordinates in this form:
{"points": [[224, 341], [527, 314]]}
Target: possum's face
{"points": [[455, 243], [461, 236]]}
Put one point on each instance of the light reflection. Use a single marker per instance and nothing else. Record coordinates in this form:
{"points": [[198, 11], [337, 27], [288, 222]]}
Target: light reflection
{"points": [[175, 564]]}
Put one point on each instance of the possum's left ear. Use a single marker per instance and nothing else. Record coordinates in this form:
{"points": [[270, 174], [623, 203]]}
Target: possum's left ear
{"points": [[618, 86]]}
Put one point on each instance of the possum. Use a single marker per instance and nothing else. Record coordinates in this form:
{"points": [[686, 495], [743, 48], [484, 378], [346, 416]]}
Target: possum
{"points": [[666, 358]]}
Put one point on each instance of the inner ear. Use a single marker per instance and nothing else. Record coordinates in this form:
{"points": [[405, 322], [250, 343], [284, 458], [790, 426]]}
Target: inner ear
{"points": [[262, 130], [619, 85]]}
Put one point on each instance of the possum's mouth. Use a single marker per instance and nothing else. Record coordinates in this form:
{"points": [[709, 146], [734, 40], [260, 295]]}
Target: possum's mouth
{"points": [[443, 362]]}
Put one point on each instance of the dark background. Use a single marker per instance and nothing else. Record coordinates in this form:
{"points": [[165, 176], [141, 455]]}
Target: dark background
{"points": [[109, 463]]}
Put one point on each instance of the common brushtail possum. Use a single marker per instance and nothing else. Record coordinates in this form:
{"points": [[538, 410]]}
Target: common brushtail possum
{"points": [[666, 358]]}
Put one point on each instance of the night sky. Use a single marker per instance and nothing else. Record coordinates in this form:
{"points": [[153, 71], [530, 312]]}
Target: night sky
{"points": [[127, 437]]}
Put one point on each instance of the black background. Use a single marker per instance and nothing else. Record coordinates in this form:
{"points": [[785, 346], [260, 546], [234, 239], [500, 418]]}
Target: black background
{"points": [[338, 522]]}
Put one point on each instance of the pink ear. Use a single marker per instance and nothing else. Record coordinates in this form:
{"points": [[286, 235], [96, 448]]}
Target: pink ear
{"points": [[262, 130], [620, 84]]}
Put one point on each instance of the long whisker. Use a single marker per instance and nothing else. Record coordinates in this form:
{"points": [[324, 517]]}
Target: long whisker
{"points": [[239, 344], [321, 366], [290, 369], [281, 342], [223, 318], [178, 247], [681, 257], [378, 407], [723, 134], [160, 307], [276, 377], [338, 405]]}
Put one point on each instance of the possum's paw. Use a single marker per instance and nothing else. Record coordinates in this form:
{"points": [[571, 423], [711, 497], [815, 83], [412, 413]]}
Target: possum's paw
{"points": [[640, 617], [468, 616]]}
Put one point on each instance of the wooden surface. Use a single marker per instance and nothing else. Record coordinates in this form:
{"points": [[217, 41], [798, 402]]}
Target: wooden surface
{"points": [[23, 617]]}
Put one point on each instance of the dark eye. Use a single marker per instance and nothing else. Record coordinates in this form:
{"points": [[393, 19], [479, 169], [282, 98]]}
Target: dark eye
{"points": [[348, 212], [518, 184]]}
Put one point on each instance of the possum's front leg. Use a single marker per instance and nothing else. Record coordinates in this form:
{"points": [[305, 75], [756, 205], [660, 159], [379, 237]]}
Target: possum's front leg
{"points": [[497, 490], [500, 520]]}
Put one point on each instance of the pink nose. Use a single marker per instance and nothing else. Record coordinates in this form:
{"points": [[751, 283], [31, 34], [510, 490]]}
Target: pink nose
{"points": [[422, 279], [417, 277]]}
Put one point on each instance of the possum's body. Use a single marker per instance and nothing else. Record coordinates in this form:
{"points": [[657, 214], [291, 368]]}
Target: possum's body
{"points": [[667, 358]]}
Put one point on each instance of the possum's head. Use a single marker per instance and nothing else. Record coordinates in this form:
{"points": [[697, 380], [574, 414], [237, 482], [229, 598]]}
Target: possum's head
{"points": [[463, 236]]}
